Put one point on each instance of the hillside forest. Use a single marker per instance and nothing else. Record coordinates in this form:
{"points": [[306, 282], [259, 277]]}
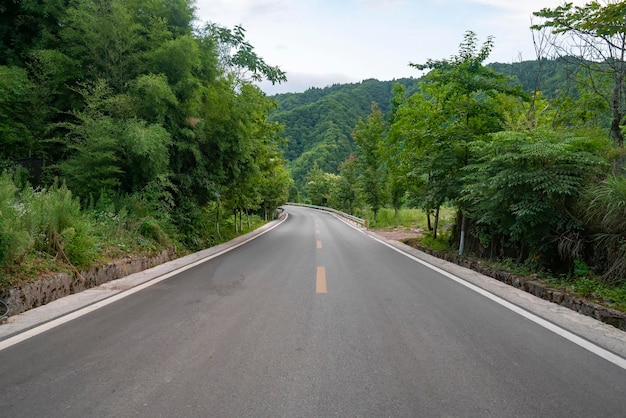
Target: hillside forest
{"points": [[529, 155], [127, 127]]}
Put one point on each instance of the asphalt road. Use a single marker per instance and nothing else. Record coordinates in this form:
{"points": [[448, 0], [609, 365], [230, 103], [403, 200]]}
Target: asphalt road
{"points": [[312, 319]]}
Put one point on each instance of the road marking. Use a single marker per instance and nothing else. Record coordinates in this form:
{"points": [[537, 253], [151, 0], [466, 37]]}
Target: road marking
{"points": [[317, 231], [319, 245], [320, 280], [25, 335]]}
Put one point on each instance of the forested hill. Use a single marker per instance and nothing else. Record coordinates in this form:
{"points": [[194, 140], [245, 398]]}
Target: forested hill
{"points": [[550, 76], [319, 122]]}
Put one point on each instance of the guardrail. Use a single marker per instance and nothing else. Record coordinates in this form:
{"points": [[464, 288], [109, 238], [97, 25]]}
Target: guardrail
{"points": [[363, 222]]}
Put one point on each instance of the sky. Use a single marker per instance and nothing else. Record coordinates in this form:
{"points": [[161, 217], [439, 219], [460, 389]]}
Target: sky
{"points": [[323, 42]]}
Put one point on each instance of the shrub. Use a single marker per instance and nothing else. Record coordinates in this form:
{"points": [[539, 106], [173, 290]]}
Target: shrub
{"points": [[151, 229], [15, 242], [78, 245]]}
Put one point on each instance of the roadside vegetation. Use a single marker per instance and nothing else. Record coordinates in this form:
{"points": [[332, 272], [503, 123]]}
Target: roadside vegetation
{"points": [[126, 128]]}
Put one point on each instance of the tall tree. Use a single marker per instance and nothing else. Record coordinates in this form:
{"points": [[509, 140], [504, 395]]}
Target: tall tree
{"points": [[369, 136], [598, 43], [347, 196], [469, 89]]}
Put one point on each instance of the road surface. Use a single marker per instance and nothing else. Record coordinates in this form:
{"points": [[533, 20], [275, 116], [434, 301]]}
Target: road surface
{"points": [[312, 319]]}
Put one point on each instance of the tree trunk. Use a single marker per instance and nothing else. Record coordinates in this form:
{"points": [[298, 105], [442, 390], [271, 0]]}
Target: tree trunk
{"points": [[217, 222], [436, 223], [616, 122], [462, 241], [430, 227]]}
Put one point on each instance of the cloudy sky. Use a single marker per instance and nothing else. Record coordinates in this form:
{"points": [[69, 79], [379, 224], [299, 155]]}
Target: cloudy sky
{"points": [[321, 42]]}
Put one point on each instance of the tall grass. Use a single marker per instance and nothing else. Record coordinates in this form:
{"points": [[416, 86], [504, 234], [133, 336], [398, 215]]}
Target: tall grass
{"points": [[48, 230], [15, 241]]}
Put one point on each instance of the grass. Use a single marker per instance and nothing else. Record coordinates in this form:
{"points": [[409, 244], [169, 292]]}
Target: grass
{"points": [[43, 232], [410, 219], [592, 288], [115, 237]]}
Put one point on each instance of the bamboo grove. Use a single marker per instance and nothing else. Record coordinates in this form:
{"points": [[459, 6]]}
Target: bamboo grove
{"points": [[129, 124]]}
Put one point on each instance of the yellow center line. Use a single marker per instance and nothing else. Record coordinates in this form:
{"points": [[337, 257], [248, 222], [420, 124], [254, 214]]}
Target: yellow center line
{"points": [[319, 244], [320, 280]]}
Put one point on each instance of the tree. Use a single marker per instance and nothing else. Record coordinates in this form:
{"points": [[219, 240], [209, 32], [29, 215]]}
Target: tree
{"points": [[595, 36], [468, 94], [16, 103], [320, 187], [105, 41], [28, 25], [393, 151], [347, 196], [523, 188], [430, 156], [369, 136], [237, 56]]}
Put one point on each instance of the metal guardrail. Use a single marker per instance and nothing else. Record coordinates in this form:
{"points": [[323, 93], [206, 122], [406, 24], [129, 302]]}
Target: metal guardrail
{"points": [[360, 221]]}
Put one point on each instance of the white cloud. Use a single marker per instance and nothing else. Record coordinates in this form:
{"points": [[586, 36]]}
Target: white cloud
{"points": [[299, 82], [321, 42], [232, 12]]}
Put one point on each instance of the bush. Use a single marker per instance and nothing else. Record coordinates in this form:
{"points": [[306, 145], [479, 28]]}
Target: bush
{"points": [[15, 242], [439, 244], [151, 229], [78, 245]]}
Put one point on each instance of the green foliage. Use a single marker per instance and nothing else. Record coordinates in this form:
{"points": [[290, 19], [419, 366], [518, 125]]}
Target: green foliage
{"points": [[78, 245], [152, 122], [150, 228], [321, 187], [523, 188], [346, 194], [319, 122], [594, 34], [369, 137], [15, 242], [440, 243], [16, 105], [238, 56], [154, 98], [605, 214]]}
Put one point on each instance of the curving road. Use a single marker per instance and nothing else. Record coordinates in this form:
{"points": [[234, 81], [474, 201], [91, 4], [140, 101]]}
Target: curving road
{"points": [[312, 319]]}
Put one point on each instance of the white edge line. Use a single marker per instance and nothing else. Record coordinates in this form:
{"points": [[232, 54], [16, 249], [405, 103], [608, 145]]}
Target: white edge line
{"points": [[570, 336], [587, 345], [90, 308]]}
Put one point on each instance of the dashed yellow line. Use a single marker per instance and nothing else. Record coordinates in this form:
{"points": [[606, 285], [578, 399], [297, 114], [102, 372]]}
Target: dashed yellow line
{"points": [[319, 245], [320, 280]]}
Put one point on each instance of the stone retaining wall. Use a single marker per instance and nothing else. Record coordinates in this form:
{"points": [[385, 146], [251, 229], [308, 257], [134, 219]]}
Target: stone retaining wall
{"points": [[46, 290], [602, 313]]}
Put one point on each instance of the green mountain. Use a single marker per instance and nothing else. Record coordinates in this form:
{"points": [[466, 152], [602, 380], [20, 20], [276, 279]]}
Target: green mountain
{"points": [[553, 77], [319, 122]]}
